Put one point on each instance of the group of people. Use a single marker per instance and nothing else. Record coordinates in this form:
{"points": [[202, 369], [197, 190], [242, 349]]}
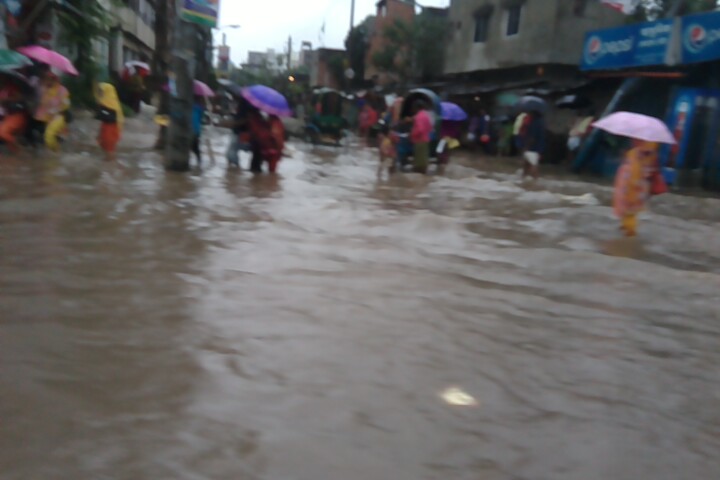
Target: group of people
{"points": [[37, 107], [33, 108], [402, 138], [262, 134]]}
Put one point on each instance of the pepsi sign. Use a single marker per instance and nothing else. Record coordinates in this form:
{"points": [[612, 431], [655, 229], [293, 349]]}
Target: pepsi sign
{"points": [[597, 48], [629, 46], [701, 37]]}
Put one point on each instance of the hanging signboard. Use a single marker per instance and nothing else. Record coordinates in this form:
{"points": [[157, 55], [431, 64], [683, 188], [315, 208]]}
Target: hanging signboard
{"points": [[643, 44], [701, 37], [202, 12]]}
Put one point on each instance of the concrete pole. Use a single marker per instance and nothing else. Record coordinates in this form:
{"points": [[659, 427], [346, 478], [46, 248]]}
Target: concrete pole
{"points": [[289, 55], [675, 8], [181, 75], [352, 14]]}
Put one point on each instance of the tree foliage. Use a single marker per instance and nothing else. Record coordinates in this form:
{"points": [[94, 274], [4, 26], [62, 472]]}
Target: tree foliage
{"points": [[83, 22], [653, 9], [357, 44], [414, 50]]}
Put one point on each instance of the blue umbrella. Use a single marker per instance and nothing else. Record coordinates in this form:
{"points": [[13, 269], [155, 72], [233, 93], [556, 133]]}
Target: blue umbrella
{"points": [[452, 112], [268, 100]]}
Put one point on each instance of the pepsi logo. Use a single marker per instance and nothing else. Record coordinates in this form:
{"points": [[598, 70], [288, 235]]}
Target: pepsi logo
{"points": [[593, 49], [596, 48], [697, 37]]}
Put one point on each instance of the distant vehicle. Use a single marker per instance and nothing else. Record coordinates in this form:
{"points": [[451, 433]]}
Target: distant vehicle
{"points": [[325, 122]]}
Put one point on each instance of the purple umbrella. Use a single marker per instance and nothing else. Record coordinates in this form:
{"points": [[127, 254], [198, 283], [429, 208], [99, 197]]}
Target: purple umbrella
{"points": [[268, 100], [452, 112]]}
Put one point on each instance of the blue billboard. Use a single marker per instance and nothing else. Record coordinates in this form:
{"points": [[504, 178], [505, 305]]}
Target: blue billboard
{"points": [[701, 37], [636, 45]]}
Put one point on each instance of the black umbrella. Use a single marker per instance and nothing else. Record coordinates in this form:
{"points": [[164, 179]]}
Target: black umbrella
{"points": [[530, 103], [574, 102]]}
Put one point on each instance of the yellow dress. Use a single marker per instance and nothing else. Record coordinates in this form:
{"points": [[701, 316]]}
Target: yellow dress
{"points": [[632, 184], [54, 102]]}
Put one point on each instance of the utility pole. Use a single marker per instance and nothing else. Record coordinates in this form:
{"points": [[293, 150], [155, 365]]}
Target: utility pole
{"points": [[675, 8], [289, 55], [352, 14], [180, 84]]}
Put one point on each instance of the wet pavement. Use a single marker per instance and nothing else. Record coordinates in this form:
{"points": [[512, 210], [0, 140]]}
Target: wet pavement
{"points": [[217, 325]]}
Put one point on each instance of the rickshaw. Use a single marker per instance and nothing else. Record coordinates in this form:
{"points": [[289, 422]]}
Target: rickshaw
{"points": [[325, 119], [402, 130]]}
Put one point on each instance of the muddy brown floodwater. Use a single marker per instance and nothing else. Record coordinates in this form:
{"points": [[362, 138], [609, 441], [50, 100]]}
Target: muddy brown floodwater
{"points": [[212, 325]]}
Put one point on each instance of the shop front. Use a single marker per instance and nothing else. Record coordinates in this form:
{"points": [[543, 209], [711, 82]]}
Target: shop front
{"points": [[671, 67]]}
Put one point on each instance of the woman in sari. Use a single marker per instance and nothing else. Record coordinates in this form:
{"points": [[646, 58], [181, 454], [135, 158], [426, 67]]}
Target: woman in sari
{"points": [[111, 117], [54, 103], [633, 184]]}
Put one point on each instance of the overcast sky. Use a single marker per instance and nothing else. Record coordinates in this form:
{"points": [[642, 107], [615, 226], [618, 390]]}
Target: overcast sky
{"points": [[268, 23]]}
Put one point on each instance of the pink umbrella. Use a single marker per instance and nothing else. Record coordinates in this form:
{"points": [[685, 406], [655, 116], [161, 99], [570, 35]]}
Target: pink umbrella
{"points": [[49, 57], [636, 125], [201, 89]]}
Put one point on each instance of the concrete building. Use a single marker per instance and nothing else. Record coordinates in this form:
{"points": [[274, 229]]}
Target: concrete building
{"points": [[269, 61], [496, 44], [132, 32], [326, 67], [491, 34], [306, 53], [387, 12]]}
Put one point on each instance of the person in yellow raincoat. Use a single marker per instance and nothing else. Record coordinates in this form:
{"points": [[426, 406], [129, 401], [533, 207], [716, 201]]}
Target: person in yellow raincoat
{"points": [[54, 105], [111, 118], [633, 182]]}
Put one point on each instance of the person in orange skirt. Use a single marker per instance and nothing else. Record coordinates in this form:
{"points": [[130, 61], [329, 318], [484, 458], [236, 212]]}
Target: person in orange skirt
{"points": [[111, 117], [15, 119]]}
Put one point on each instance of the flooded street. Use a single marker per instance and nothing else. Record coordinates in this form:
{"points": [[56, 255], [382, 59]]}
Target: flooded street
{"points": [[216, 325]]}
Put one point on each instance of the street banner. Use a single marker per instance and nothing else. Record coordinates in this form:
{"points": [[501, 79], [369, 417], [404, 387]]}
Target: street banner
{"points": [[701, 37], [202, 12], [637, 45], [627, 7]]}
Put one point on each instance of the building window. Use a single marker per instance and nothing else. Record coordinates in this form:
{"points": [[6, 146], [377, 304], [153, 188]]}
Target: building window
{"points": [[482, 25], [579, 7], [513, 20]]}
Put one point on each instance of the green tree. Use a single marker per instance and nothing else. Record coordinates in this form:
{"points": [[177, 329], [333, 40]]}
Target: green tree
{"points": [[357, 44], [652, 9], [431, 36], [414, 50], [83, 22], [396, 57]]}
